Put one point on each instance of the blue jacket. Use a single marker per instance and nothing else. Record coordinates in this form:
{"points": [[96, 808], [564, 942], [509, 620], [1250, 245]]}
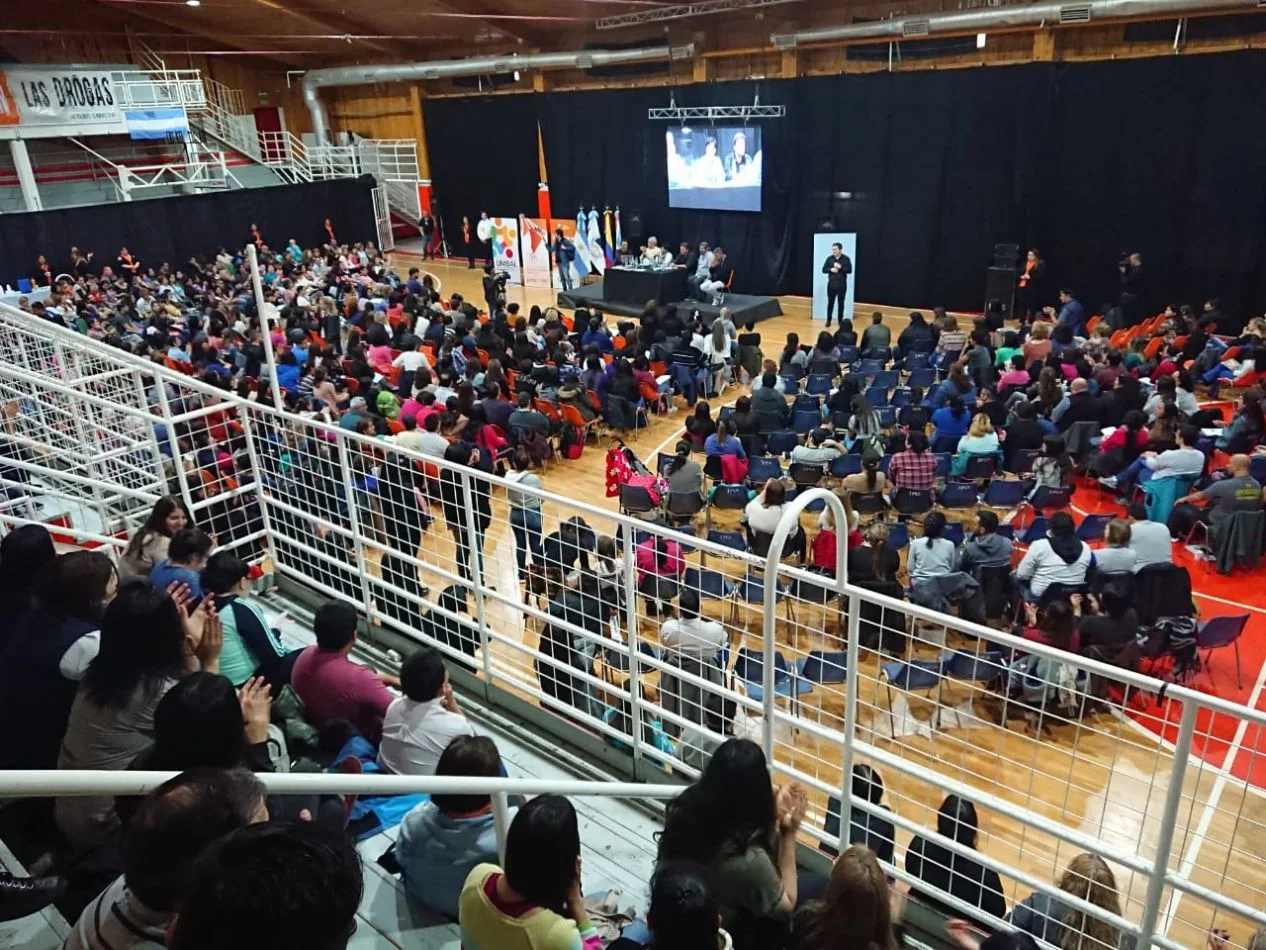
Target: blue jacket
{"points": [[1072, 314], [437, 853], [165, 573]]}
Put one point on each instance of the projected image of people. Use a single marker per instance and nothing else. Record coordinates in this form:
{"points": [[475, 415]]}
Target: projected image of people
{"points": [[714, 169]]}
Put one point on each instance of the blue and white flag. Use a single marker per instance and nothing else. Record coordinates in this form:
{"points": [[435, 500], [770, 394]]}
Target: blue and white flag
{"points": [[619, 237], [597, 255], [156, 123]]}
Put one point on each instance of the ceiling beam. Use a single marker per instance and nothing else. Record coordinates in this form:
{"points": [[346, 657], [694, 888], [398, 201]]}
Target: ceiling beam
{"points": [[479, 13], [328, 22], [186, 30]]}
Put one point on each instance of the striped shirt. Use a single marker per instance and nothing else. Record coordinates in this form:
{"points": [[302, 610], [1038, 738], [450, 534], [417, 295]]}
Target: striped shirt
{"points": [[117, 920]]}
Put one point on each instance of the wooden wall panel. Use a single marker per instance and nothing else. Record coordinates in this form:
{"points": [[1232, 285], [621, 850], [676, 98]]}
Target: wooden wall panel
{"points": [[376, 112]]}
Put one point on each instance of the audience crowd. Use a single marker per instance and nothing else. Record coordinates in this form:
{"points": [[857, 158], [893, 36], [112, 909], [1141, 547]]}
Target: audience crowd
{"points": [[167, 660]]}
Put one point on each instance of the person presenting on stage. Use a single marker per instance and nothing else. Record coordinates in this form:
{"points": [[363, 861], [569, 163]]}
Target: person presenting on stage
{"points": [[1028, 290], [485, 230], [564, 254], [718, 277], [702, 269], [652, 254], [468, 243], [837, 267], [427, 226]]}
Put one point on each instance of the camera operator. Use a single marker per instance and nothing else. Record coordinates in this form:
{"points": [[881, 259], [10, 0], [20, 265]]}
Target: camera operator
{"points": [[1131, 300], [494, 288]]}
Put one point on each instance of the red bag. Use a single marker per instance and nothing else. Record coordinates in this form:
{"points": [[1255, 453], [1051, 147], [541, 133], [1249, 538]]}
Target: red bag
{"points": [[649, 482], [733, 469], [824, 550], [618, 469]]}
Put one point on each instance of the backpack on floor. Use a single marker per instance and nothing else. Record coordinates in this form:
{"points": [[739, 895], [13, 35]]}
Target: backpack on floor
{"points": [[571, 442]]}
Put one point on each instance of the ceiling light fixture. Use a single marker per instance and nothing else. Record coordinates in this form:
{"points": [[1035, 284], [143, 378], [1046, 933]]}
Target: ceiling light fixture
{"points": [[516, 75], [980, 40], [193, 3]]}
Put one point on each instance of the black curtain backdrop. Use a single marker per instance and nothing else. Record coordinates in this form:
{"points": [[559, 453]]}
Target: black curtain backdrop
{"points": [[483, 158], [1166, 156], [174, 229]]}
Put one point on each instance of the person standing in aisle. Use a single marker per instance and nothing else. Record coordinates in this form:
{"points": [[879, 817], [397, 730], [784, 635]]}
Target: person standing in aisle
{"points": [[468, 243], [837, 267], [427, 226]]}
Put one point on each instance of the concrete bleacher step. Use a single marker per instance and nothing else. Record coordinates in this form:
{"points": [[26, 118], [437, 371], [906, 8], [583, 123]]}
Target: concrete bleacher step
{"points": [[46, 930]]}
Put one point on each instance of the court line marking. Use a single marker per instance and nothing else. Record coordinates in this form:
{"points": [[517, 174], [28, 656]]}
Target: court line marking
{"points": [[1211, 805]]}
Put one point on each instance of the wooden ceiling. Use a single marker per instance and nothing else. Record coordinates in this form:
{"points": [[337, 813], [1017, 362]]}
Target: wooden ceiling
{"points": [[311, 33]]}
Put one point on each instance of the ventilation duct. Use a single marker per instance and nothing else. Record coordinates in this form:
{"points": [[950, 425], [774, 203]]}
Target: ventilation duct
{"points": [[477, 66], [1034, 14]]}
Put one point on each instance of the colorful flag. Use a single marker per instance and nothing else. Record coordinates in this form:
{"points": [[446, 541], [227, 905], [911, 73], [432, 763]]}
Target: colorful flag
{"points": [[619, 237], [594, 236], [606, 230]]}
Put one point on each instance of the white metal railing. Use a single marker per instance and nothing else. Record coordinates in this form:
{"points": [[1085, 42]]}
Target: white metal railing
{"points": [[1146, 774]]}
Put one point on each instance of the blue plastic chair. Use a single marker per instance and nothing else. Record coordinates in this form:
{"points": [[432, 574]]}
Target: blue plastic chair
{"points": [[729, 497], [806, 402], [730, 539], [843, 465], [958, 495], [749, 666], [1051, 499], [823, 666], [911, 676], [877, 396], [886, 416], [970, 666], [1024, 461], [1036, 531], [900, 398], [848, 354], [805, 422], [924, 377], [1003, 493], [898, 535], [761, 468], [944, 462], [662, 459], [1006, 531], [24, 285], [780, 443], [751, 590], [708, 584], [954, 532], [819, 385], [1093, 527], [1218, 632], [790, 385], [885, 380]]}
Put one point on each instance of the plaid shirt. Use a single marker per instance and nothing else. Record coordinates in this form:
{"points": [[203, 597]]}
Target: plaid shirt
{"points": [[912, 469]]}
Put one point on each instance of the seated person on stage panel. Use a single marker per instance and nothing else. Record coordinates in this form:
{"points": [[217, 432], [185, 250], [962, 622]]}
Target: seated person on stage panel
{"points": [[702, 268], [652, 254], [718, 277], [624, 256]]}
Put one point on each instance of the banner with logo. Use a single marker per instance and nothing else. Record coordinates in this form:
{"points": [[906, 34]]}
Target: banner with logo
{"points": [[75, 97], [505, 248], [534, 238]]}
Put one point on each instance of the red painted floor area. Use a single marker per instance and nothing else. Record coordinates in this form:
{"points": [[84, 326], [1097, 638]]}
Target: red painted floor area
{"points": [[1241, 592]]}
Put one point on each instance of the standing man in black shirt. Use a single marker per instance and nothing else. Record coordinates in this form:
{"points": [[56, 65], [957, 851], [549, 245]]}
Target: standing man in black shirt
{"points": [[837, 267], [427, 226]]}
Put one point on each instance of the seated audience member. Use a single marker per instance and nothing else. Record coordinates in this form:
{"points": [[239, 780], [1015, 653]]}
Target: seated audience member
{"points": [[914, 468], [1106, 620], [1089, 878], [856, 909], [169, 829], [1054, 626], [251, 646], [684, 474], [1059, 558], [292, 885], [767, 399], [148, 644], [723, 442], [186, 556], [943, 870], [48, 652], [1186, 461], [659, 565], [763, 513], [149, 545], [24, 553], [535, 903], [931, 555], [820, 450], [1123, 446], [420, 724], [874, 560], [1149, 540], [1116, 556], [1052, 468], [691, 634], [950, 423], [203, 722], [981, 440], [985, 547], [1248, 425], [864, 828], [733, 823], [869, 480], [525, 417], [1239, 491], [442, 840], [684, 912], [331, 685]]}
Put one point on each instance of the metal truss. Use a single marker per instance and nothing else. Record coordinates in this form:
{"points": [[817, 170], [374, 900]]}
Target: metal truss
{"points": [[713, 113], [685, 10]]}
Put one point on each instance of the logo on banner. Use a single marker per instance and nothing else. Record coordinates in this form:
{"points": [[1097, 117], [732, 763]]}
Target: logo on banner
{"points": [[50, 97], [504, 235], [536, 251]]}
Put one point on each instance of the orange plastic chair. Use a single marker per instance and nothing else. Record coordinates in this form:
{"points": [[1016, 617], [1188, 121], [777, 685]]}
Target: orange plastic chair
{"points": [[1093, 322], [568, 322], [353, 385], [395, 426], [484, 357], [1153, 347], [659, 368], [571, 415], [619, 343], [593, 401], [548, 409]]}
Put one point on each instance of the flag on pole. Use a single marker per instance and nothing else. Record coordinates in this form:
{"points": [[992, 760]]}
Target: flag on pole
{"points": [[594, 237], [607, 233], [619, 237]]}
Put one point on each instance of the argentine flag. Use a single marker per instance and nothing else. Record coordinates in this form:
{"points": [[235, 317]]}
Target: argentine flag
{"points": [[593, 235]]}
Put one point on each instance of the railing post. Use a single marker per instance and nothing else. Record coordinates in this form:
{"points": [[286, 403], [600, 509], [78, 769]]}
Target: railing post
{"points": [[850, 706], [1165, 831], [142, 402], [631, 639], [252, 451], [261, 308], [353, 521], [501, 822], [474, 560], [173, 440]]}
